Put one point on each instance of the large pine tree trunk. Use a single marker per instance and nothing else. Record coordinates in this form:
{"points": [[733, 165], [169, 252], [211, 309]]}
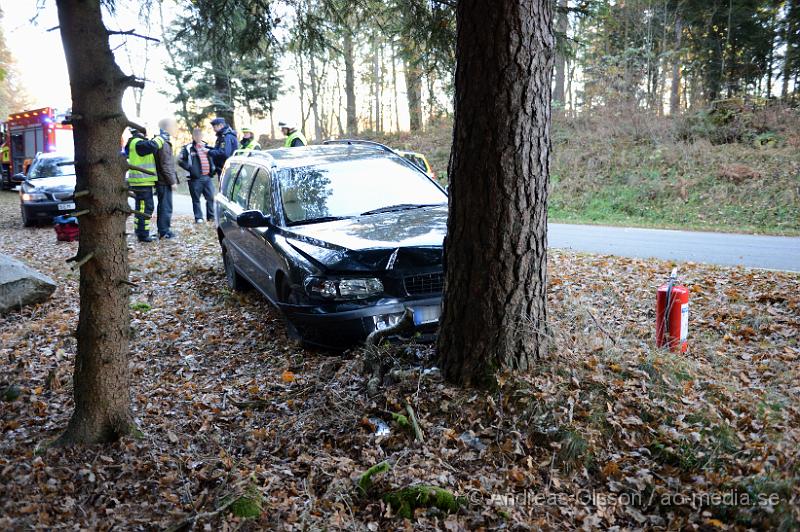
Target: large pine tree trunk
{"points": [[496, 251], [350, 84], [101, 379]]}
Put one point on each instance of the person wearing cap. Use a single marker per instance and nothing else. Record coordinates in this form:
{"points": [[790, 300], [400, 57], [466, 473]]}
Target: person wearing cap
{"points": [[167, 181], [142, 180], [226, 144], [248, 141], [294, 138]]}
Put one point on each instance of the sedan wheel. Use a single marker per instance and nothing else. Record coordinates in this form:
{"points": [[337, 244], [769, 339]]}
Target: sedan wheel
{"points": [[26, 222], [235, 281]]}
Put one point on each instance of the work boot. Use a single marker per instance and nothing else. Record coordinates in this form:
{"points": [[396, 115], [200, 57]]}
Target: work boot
{"points": [[145, 239], [168, 235]]}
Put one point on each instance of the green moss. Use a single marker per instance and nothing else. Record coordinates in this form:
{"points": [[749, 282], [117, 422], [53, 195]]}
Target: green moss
{"points": [[404, 501], [401, 420], [141, 306], [11, 393], [249, 505], [365, 481]]}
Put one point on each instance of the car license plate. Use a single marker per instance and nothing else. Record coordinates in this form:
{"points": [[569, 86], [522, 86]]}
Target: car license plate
{"points": [[66, 206], [427, 314]]}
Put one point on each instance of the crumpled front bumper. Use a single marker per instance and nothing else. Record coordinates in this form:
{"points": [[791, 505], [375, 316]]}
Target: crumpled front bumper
{"points": [[342, 326]]}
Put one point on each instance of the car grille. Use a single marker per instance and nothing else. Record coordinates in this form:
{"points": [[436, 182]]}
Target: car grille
{"points": [[61, 196], [426, 283]]}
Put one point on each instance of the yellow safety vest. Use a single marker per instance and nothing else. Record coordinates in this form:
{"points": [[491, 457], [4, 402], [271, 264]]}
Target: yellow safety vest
{"points": [[5, 155], [292, 136], [252, 146], [147, 162]]}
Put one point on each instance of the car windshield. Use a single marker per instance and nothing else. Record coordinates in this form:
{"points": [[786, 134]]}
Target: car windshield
{"points": [[51, 167], [355, 187]]}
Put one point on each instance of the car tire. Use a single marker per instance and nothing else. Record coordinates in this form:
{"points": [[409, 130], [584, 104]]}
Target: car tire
{"points": [[285, 295], [26, 222], [236, 282]]}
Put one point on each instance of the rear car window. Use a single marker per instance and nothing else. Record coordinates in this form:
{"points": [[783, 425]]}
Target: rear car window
{"points": [[261, 193], [242, 186], [228, 178]]}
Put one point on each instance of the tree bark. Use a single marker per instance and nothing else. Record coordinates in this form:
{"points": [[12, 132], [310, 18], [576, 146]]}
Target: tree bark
{"points": [[101, 378], [413, 75], [675, 93], [376, 75], [315, 98], [350, 84], [494, 315], [561, 59], [394, 90], [223, 104]]}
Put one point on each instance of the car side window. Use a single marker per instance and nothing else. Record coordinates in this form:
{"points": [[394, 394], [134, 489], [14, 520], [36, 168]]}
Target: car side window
{"points": [[228, 178], [242, 186], [261, 193]]}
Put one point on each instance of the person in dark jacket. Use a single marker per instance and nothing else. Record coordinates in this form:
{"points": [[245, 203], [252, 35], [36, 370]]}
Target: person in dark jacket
{"points": [[194, 159], [226, 144], [167, 177]]}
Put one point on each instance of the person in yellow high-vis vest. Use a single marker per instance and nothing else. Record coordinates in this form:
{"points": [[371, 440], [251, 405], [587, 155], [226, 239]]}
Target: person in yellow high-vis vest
{"points": [[294, 137], [141, 154], [5, 164], [248, 141]]}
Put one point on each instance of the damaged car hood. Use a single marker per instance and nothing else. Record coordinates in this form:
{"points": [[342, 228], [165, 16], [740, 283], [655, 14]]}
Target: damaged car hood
{"points": [[376, 242]]}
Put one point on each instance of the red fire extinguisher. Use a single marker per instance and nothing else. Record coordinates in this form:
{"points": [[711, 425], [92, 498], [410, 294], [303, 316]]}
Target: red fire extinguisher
{"points": [[672, 315]]}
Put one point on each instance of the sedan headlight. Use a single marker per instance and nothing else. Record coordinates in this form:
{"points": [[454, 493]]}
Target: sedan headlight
{"points": [[33, 196], [342, 289]]}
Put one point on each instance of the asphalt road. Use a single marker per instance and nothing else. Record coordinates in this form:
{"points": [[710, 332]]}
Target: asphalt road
{"points": [[727, 249]]}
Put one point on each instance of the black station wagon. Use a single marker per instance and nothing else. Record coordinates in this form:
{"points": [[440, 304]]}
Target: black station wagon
{"points": [[341, 237]]}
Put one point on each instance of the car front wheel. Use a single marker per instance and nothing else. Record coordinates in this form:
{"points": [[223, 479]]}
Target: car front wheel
{"points": [[26, 222], [236, 282]]}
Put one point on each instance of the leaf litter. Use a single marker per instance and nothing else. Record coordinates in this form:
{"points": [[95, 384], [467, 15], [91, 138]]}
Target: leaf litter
{"points": [[243, 429]]}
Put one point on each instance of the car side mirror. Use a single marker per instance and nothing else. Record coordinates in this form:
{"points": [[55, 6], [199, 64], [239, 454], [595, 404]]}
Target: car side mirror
{"points": [[253, 219]]}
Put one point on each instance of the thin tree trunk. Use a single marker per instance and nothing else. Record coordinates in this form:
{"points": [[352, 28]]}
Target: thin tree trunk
{"points": [[350, 84], [102, 377], [431, 79], [394, 89], [413, 77], [675, 92], [301, 90], [376, 76], [561, 59], [315, 98], [494, 315]]}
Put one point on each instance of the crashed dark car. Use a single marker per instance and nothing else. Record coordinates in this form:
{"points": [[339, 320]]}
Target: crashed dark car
{"points": [[48, 189], [342, 238]]}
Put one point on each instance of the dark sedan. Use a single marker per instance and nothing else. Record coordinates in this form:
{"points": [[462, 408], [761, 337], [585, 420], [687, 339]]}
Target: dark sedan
{"points": [[341, 237], [48, 189]]}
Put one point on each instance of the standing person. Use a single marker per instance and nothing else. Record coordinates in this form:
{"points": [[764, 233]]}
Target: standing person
{"points": [[194, 159], [141, 154], [294, 138], [226, 143], [167, 177], [248, 141]]}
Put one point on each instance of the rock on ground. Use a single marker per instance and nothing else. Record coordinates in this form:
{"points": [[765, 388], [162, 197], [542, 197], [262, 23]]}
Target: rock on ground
{"points": [[21, 285]]}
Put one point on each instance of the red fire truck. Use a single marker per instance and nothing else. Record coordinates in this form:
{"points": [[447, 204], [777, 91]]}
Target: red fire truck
{"points": [[32, 132]]}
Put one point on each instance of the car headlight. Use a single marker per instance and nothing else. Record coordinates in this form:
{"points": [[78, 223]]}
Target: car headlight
{"points": [[341, 289], [33, 196]]}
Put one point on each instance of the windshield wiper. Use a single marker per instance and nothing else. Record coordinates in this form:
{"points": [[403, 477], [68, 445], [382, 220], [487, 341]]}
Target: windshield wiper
{"points": [[321, 219], [400, 207]]}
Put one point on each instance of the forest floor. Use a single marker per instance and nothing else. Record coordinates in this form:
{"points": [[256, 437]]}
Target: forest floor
{"points": [[629, 169], [236, 419]]}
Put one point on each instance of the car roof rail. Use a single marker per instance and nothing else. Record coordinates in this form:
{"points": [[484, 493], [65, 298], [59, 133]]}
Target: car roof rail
{"points": [[361, 143], [255, 153]]}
